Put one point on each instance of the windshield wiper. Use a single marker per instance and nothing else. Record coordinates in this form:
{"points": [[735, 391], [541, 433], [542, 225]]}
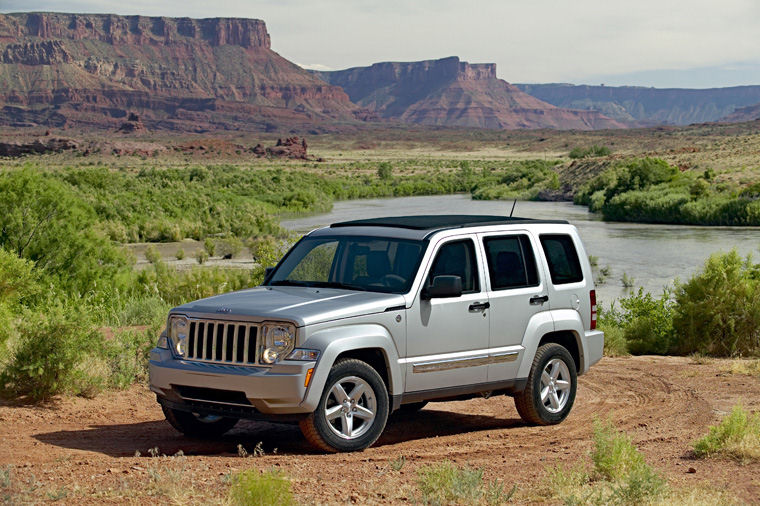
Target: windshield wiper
{"points": [[289, 282], [335, 284]]}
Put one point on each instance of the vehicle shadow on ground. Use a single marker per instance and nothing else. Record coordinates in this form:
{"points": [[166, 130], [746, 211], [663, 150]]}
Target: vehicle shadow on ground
{"points": [[124, 440]]}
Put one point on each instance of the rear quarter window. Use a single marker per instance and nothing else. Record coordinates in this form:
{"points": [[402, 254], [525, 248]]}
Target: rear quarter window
{"points": [[564, 265]]}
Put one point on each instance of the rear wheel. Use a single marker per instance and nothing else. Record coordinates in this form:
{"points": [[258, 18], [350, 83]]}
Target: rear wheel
{"points": [[198, 426], [550, 392], [352, 411]]}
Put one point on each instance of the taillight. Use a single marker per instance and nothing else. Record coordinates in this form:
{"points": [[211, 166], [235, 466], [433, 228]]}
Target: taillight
{"points": [[592, 297]]}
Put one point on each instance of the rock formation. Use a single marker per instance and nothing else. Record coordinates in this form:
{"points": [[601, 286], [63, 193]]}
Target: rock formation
{"points": [[451, 92], [37, 146], [640, 106], [176, 73]]}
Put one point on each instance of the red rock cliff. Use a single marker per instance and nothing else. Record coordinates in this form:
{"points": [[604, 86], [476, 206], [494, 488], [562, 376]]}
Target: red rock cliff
{"points": [[93, 69]]}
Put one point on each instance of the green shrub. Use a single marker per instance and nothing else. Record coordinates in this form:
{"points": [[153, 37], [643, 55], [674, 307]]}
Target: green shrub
{"points": [[717, 311], [201, 256], [49, 353], [152, 254], [593, 151], [180, 254], [43, 220], [127, 354], [385, 171], [266, 488], [644, 323], [210, 246], [617, 460], [445, 483], [736, 436], [230, 246]]}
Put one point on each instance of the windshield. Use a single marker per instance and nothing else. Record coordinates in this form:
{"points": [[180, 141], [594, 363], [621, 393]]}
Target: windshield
{"points": [[374, 264]]}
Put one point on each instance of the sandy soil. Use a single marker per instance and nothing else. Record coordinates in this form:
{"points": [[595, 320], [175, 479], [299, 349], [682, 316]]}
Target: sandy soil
{"points": [[84, 451]]}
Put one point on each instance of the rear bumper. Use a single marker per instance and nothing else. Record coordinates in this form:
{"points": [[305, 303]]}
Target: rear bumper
{"points": [[274, 391], [593, 348]]}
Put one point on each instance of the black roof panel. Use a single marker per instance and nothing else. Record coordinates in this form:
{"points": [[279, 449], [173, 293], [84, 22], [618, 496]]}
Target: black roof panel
{"points": [[440, 221]]}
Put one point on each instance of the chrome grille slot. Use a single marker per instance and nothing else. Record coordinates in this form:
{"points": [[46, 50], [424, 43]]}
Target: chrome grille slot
{"points": [[222, 342]]}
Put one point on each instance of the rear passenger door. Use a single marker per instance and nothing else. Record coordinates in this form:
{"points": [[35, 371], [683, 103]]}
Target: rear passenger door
{"points": [[516, 292]]}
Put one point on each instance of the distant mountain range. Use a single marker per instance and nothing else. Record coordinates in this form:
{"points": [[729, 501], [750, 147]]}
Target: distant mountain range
{"points": [[95, 70], [451, 92], [638, 106]]}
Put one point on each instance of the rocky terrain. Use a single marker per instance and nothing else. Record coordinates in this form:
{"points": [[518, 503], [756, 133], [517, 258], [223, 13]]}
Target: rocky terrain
{"points": [[743, 114], [451, 92], [176, 73], [108, 449], [639, 106]]}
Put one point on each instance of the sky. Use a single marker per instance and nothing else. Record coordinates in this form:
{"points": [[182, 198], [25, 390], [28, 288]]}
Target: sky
{"points": [[660, 43]]}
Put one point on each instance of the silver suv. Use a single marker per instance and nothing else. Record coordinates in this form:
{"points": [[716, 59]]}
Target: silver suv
{"points": [[367, 317]]}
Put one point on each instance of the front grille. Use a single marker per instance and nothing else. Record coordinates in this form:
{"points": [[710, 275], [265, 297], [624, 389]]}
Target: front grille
{"points": [[223, 342]]}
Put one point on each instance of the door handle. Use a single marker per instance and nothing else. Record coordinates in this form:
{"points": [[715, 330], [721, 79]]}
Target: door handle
{"points": [[538, 299], [479, 306]]}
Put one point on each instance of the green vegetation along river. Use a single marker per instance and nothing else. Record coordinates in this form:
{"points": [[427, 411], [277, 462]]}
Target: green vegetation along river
{"points": [[651, 255]]}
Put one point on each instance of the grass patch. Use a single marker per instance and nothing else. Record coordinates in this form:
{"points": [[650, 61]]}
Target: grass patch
{"points": [[446, 483], [745, 367], [253, 487], [619, 475], [737, 436]]}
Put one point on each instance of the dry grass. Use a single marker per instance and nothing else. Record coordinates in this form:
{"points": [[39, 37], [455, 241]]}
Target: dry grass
{"points": [[744, 366]]}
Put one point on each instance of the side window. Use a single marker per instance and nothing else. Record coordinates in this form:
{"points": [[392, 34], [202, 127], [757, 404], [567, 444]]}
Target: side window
{"points": [[457, 258], [511, 263], [563, 259]]}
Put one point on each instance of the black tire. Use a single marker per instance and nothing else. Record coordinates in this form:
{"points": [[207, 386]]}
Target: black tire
{"points": [[411, 408], [202, 427], [529, 403], [372, 397]]}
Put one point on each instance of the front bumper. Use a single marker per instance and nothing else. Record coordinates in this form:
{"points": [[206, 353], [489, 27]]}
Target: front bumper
{"points": [[276, 390]]}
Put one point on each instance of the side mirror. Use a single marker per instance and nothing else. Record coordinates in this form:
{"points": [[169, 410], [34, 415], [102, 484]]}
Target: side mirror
{"points": [[443, 287]]}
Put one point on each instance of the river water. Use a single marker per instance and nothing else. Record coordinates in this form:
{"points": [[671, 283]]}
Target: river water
{"points": [[653, 255]]}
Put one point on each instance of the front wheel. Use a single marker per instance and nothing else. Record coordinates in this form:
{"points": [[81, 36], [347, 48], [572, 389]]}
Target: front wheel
{"points": [[550, 391], [198, 426], [352, 411]]}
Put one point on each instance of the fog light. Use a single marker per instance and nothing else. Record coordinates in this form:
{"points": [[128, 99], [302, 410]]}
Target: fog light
{"points": [[269, 356]]}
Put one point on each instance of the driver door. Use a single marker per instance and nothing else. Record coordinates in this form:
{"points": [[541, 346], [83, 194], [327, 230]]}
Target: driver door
{"points": [[448, 337]]}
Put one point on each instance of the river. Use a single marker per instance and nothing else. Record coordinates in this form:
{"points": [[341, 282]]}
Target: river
{"points": [[652, 255]]}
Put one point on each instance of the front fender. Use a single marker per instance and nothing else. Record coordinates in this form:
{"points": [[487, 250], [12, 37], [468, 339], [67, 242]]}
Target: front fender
{"points": [[334, 341]]}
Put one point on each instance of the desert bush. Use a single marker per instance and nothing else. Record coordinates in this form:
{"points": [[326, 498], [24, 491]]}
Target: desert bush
{"points": [[126, 355], [46, 356], [210, 246], [445, 483], [229, 246], [44, 221], [152, 254], [717, 312], [201, 256], [644, 323], [180, 254], [385, 171], [593, 151], [253, 487], [736, 436]]}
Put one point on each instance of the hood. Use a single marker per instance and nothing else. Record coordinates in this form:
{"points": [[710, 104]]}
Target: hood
{"points": [[304, 306]]}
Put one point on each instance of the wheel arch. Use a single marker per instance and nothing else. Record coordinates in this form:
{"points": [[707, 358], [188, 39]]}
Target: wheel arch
{"points": [[568, 340], [369, 343]]}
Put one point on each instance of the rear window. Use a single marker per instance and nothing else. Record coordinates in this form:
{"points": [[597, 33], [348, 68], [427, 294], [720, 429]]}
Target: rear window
{"points": [[562, 257]]}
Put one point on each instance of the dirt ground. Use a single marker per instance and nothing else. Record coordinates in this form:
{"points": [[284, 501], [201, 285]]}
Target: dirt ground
{"points": [[84, 451]]}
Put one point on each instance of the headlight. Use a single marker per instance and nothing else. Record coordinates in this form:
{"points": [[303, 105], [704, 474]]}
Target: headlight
{"points": [[178, 334], [278, 339]]}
